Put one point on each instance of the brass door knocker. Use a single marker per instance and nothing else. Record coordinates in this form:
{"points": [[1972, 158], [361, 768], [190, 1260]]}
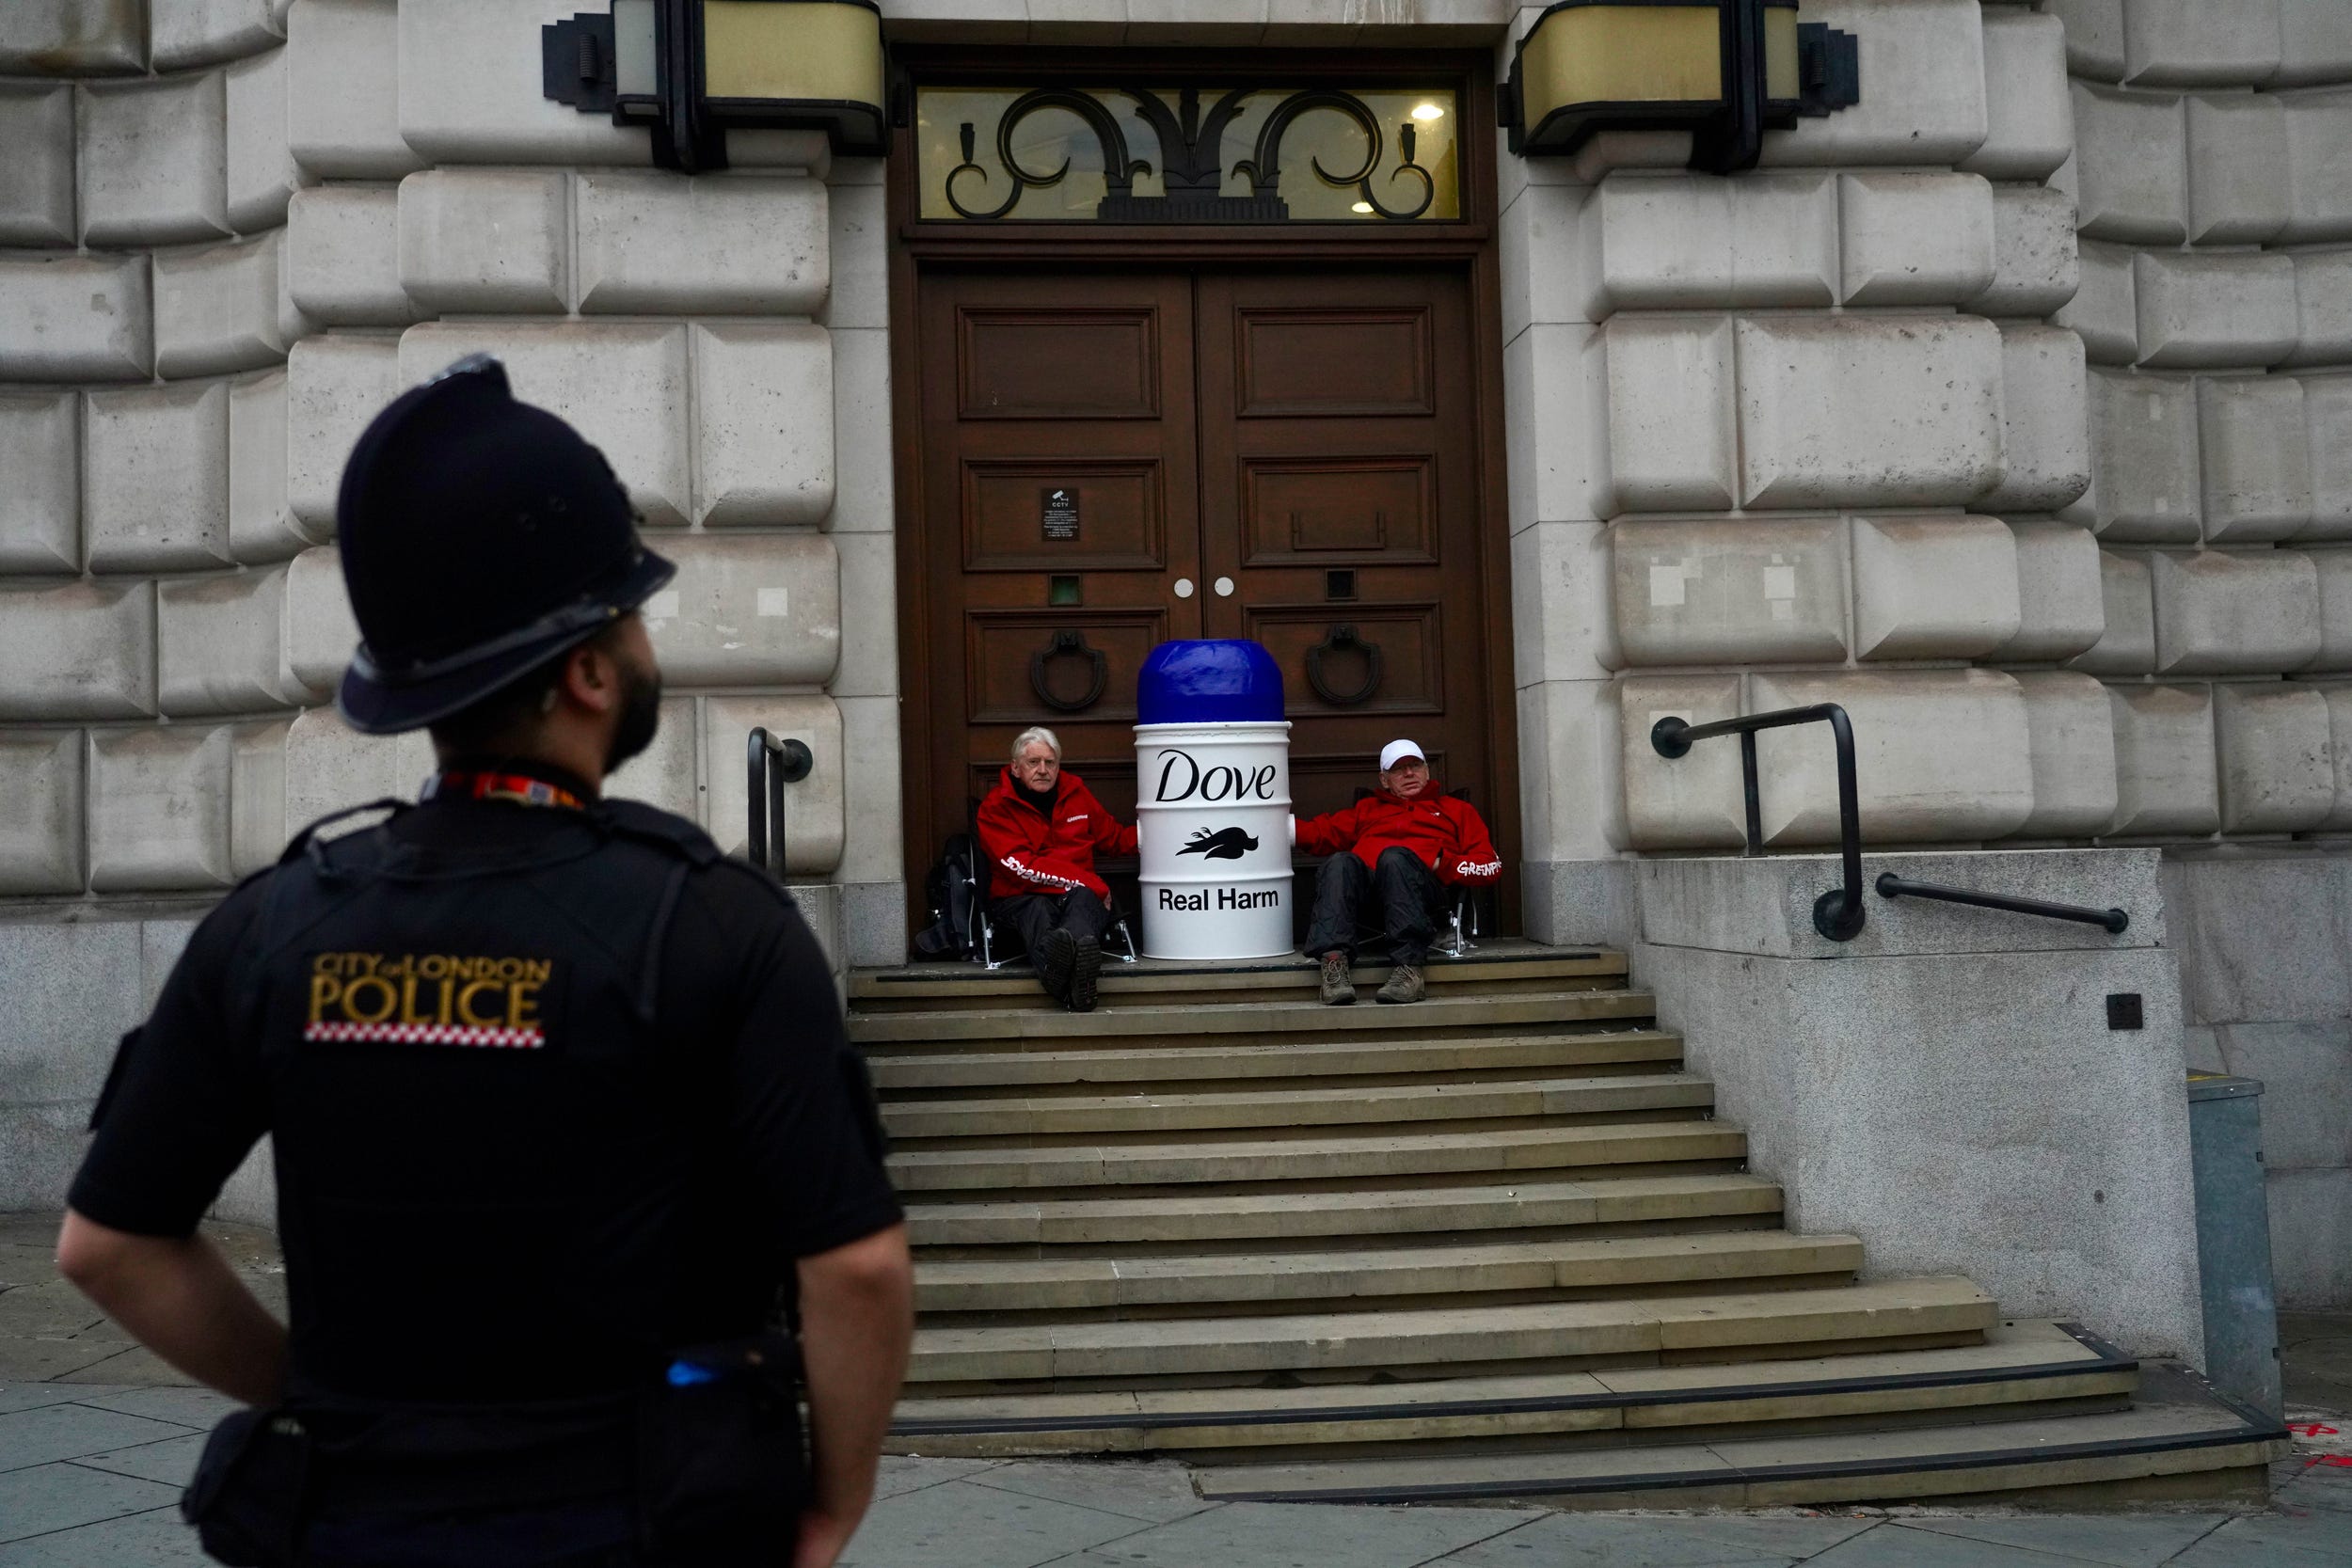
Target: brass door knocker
{"points": [[1068, 643], [1337, 639]]}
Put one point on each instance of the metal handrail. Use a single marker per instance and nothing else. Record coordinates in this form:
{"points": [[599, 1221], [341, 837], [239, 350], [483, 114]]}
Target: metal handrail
{"points": [[1837, 914], [770, 764], [1892, 886]]}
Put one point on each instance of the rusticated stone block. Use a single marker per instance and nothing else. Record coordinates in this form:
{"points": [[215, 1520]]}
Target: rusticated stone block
{"points": [[343, 256], [217, 643], [869, 627], [70, 37], [1555, 380], [2165, 779], [75, 318], [256, 795], [334, 386], [664, 774], [2102, 313], [37, 177], [812, 808], [2061, 608], [471, 91], [40, 811], [763, 396], [2334, 567], [1932, 587], [2323, 307], [217, 311], [40, 503], [153, 158], [864, 461], [749, 611], [2257, 457], [624, 388], [2036, 268], [1693, 802], [2192, 43], [331, 766], [262, 528], [1680, 242], [2231, 309], [2314, 43], [344, 68], [159, 809], [485, 240], [155, 478], [735, 244], [2070, 730], [1939, 755], [2095, 37], [1926, 104], [2319, 165], [262, 173], [2131, 165], [78, 650], [2339, 699], [2234, 614], [857, 228], [2278, 771], [874, 830], [2237, 167], [1572, 791], [1914, 239], [1762, 589], [2045, 442], [2029, 117], [1867, 410], [1671, 439], [319, 631], [2328, 428], [1547, 245], [183, 33], [2146, 483], [2127, 645]]}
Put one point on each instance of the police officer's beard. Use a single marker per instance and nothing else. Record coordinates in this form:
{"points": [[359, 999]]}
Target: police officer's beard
{"points": [[640, 715]]}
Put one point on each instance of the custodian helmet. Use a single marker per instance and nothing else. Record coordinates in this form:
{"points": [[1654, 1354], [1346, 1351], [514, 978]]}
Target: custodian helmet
{"points": [[481, 538]]}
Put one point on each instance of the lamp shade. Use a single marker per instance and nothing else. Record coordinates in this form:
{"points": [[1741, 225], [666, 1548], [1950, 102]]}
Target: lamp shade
{"points": [[798, 65]]}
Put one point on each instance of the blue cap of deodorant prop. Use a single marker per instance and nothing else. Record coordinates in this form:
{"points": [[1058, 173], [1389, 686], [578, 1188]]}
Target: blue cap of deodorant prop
{"points": [[1210, 682]]}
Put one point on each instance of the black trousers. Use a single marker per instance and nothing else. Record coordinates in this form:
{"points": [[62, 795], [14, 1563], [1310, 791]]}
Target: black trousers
{"points": [[1400, 899], [1033, 915]]}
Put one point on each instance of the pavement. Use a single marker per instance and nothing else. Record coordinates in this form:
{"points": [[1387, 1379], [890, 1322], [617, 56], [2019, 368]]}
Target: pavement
{"points": [[97, 1439]]}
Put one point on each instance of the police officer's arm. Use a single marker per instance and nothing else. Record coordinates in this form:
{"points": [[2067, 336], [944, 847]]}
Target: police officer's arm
{"points": [[857, 1312], [179, 1297]]}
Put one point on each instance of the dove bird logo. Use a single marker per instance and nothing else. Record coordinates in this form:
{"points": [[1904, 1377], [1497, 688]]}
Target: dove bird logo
{"points": [[1226, 844]]}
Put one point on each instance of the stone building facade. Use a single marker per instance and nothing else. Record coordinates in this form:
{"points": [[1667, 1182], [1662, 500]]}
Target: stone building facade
{"points": [[2010, 408]]}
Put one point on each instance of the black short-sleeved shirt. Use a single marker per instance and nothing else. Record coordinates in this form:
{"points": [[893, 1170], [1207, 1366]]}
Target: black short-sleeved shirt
{"points": [[470, 1224]]}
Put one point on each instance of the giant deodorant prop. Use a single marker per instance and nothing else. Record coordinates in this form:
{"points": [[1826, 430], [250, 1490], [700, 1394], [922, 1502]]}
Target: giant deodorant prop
{"points": [[1212, 801]]}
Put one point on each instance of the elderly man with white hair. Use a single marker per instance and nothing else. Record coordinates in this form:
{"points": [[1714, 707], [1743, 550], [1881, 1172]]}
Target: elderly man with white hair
{"points": [[1042, 827]]}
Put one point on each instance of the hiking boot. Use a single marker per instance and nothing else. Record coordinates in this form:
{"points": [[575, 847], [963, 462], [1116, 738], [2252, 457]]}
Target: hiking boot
{"points": [[1086, 968], [1338, 989], [1405, 984], [1056, 956]]}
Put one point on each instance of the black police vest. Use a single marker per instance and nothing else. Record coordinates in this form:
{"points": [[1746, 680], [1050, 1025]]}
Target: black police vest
{"points": [[495, 1182]]}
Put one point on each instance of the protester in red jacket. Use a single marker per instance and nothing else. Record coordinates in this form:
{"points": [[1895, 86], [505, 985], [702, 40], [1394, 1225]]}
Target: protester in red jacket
{"points": [[1041, 829], [1394, 855]]}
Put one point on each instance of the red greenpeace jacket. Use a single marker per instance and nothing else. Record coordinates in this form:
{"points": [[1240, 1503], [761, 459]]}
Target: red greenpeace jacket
{"points": [[1448, 835], [1030, 853]]}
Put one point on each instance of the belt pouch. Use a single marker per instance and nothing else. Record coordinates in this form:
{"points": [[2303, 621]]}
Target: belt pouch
{"points": [[722, 1465], [245, 1501]]}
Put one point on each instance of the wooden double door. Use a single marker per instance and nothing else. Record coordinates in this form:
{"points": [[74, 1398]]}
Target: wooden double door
{"points": [[1112, 460]]}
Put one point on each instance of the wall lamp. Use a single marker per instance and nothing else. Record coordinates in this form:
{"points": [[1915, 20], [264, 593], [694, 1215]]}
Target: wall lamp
{"points": [[1726, 70], [689, 70]]}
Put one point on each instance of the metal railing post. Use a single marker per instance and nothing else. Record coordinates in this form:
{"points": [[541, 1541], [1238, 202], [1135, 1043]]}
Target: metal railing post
{"points": [[769, 762]]}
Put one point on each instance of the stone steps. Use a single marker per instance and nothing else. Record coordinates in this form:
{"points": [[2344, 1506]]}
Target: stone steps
{"points": [[1556, 1333], [1134, 1025], [2026, 1365]]}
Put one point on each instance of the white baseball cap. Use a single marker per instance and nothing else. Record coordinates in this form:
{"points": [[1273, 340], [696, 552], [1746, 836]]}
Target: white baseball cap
{"points": [[1396, 749]]}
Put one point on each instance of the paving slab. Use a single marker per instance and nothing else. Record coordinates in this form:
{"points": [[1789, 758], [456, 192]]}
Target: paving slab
{"points": [[171, 1461], [1896, 1545], [57, 1496], [40, 1360], [1273, 1535], [900, 1474], [1154, 1494], [156, 1539], [2117, 1540], [53, 1432], [134, 1363], [195, 1407], [2327, 1534], [979, 1527], [28, 1396], [1658, 1541]]}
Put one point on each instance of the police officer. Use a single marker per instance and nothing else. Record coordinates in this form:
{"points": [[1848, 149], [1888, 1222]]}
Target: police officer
{"points": [[562, 1112]]}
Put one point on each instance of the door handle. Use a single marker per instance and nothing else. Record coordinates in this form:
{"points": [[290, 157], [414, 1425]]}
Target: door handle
{"points": [[1068, 643], [1337, 638]]}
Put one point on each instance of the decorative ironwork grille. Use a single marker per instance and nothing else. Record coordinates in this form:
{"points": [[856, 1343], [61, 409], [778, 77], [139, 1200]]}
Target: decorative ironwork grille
{"points": [[1183, 155]]}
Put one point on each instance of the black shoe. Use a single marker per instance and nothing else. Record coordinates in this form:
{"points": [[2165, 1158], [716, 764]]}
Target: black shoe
{"points": [[1084, 971], [1056, 955]]}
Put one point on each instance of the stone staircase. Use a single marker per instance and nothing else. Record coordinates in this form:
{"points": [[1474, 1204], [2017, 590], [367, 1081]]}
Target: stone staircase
{"points": [[1494, 1245]]}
